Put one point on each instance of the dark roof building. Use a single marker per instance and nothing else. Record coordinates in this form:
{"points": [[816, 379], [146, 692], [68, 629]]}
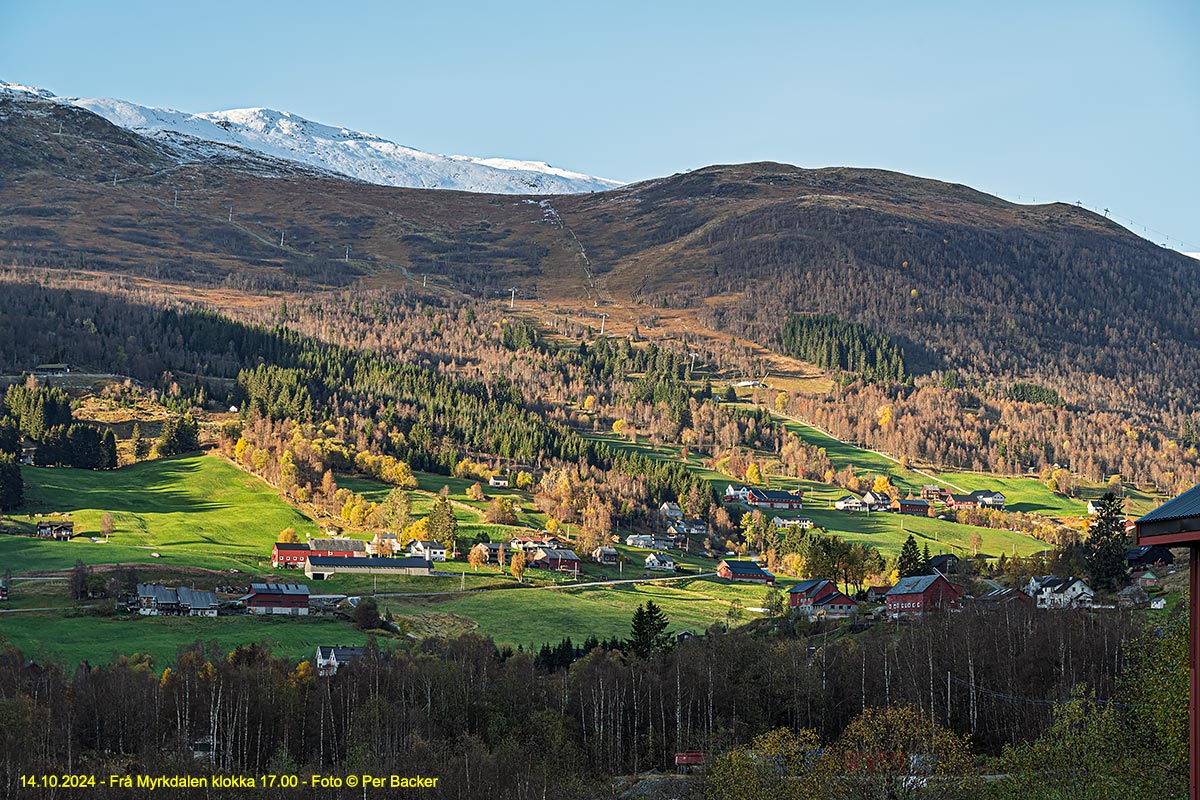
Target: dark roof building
{"points": [[277, 598], [322, 567], [744, 571], [156, 600], [1149, 555]]}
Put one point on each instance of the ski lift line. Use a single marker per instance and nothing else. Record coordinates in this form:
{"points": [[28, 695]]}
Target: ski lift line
{"points": [[1129, 222]]}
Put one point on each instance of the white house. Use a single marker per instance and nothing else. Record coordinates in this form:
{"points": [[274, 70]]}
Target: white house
{"points": [[498, 481], [803, 523], [1093, 507], [671, 511], [330, 658], [737, 493], [660, 562], [848, 503], [428, 550], [876, 501], [1053, 592]]}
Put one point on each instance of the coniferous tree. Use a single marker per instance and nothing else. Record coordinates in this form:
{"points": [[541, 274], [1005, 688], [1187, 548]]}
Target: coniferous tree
{"points": [[909, 563], [648, 631], [108, 450], [1106, 545], [12, 490]]}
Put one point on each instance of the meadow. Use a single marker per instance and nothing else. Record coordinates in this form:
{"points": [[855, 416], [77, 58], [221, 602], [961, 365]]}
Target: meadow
{"points": [[97, 639]]}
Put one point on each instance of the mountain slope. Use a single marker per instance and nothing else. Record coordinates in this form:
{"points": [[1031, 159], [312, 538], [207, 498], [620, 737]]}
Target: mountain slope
{"points": [[963, 280], [360, 156]]}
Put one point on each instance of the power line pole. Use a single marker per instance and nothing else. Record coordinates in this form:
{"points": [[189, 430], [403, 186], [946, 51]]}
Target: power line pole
{"points": [[177, 198], [512, 301], [281, 233], [347, 253], [603, 319], [231, 213]]}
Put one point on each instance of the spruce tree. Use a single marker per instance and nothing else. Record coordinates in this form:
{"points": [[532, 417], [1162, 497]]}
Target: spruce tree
{"points": [[909, 563], [648, 632], [1105, 557]]}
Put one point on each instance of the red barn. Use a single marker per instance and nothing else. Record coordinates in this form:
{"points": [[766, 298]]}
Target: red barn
{"points": [[744, 571], [911, 505], [277, 598], [287, 555], [558, 559], [921, 594]]}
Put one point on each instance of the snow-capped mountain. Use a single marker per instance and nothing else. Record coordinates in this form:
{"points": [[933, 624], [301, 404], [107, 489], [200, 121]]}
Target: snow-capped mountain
{"points": [[362, 156]]}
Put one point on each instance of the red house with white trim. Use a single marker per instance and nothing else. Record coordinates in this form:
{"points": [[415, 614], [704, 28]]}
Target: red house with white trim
{"points": [[289, 555]]}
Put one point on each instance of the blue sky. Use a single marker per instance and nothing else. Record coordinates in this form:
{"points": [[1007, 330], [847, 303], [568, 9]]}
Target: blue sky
{"points": [[1091, 101]]}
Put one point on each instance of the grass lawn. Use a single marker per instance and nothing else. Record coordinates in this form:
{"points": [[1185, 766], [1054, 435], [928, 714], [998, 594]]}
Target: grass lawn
{"points": [[532, 617], [192, 509], [1028, 495], [95, 639]]}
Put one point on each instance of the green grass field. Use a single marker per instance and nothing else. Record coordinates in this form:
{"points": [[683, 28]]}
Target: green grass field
{"points": [[95, 639], [193, 510], [531, 617]]}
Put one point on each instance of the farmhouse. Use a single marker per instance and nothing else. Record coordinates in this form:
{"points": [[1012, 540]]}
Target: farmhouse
{"points": [[744, 572], [156, 600], [495, 552], [556, 559], [649, 542], [428, 550], [330, 658], [605, 555], [498, 481], [803, 523], [921, 594], [277, 598], [58, 529], [989, 499], [322, 567], [384, 544], [688, 527], [848, 503], [961, 501], [913, 506], [1053, 592], [1146, 579], [528, 544], [734, 493], [660, 562], [337, 547], [289, 555], [876, 593], [820, 598], [1149, 555], [670, 511], [932, 492], [876, 501], [767, 498]]}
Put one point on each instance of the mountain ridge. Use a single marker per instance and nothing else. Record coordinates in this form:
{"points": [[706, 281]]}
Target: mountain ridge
{"points": [[335, 149]]}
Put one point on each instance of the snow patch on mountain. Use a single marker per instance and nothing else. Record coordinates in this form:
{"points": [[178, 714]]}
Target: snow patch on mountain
{"points": [[357, 155]]}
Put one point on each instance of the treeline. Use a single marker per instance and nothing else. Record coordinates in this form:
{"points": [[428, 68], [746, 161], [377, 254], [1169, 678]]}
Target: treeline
{"points": [[44, 415], [839, 345], [491, 723]]}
